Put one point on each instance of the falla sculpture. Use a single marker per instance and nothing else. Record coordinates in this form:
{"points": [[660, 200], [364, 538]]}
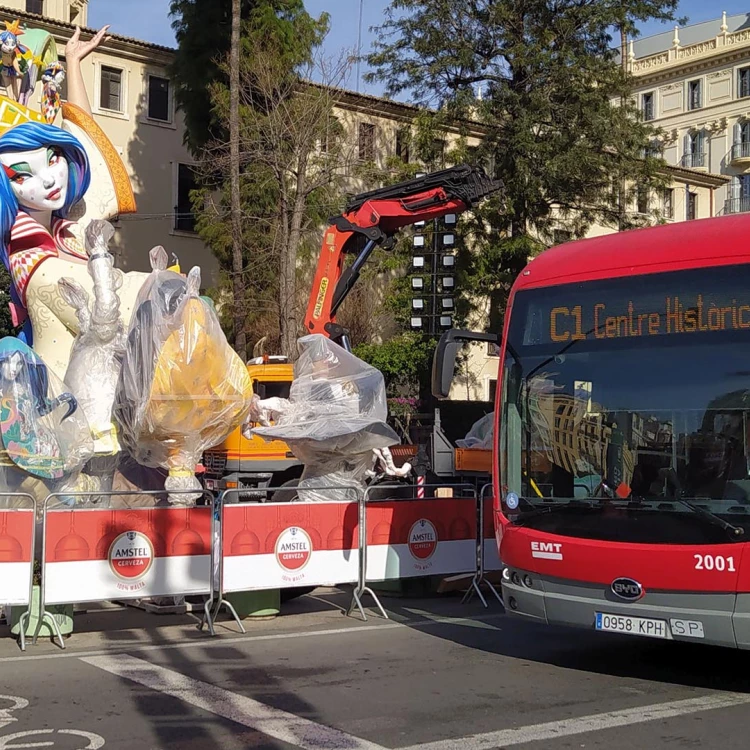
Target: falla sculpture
{"points": [[113, 366]]}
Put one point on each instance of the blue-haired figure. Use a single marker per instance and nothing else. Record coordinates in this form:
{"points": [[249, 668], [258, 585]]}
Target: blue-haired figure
{"points": [[10, 49], [53, 181]]}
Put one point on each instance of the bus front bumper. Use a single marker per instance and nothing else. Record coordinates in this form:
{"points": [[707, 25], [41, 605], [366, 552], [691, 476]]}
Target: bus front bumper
{"points": [[720, 619]]}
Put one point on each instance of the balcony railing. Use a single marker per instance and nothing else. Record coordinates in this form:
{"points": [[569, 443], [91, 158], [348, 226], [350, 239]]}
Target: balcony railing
{"points": [[741, 151], [736, 205], [695, 160]]}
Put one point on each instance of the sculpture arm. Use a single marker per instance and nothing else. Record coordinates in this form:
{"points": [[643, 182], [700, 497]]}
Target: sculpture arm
{"points": [[75, 52]]}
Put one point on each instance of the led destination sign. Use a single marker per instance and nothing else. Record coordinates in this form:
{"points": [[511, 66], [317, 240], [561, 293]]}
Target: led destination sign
{"points": [[607, 321]]}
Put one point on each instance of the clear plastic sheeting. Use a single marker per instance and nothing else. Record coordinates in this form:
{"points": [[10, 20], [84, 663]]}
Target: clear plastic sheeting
{"points": [[182, 388], [44, 437], [96, 356], [481, 433], [334, 419]]}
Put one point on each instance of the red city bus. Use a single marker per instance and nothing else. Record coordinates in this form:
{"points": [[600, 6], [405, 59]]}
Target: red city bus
{"points": [[622, 438]]}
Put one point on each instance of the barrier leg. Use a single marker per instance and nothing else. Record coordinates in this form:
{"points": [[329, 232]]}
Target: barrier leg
{"points": [[222, 602], [22, 632], [210, 617], [476, 582], [362, 588]]}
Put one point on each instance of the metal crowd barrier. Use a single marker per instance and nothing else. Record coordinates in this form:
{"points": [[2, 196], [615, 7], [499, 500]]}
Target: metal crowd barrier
{"points": [[13, 543], [222, 505], [64, 499], [461, 492], [479, 579], [415, 538]]}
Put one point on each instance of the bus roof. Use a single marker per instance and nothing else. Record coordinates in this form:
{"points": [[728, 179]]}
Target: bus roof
{"points": [[668, 247]]}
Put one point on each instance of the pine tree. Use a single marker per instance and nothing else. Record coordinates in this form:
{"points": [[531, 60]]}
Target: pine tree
{"points": [[564, 135]]}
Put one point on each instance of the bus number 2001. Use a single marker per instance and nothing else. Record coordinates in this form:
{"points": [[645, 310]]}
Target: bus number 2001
{"points": [[714, 562]]}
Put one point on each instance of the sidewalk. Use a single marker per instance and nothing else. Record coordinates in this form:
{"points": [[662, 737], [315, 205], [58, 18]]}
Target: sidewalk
{"points": [[108, 626]]}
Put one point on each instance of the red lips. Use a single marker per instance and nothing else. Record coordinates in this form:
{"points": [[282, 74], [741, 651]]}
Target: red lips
{"points": [[54, 194]]}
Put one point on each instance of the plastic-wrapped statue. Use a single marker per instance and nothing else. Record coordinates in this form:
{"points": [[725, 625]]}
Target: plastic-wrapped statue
{"points": [[182, 387], [334, 419], [96, 357], [45, 438], [53, 181]]}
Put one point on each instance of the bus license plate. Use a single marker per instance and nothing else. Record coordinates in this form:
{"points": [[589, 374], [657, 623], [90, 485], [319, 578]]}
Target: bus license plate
{"points": [[632, 625]]}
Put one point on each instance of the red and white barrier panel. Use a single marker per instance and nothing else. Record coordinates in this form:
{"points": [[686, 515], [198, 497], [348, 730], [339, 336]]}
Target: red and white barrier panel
{"points": [[489, 544], [16, 535], [411, 538], [92, 555], [280, 545]]}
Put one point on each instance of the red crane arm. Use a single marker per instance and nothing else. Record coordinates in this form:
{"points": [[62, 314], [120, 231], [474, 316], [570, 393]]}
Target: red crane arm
{"points": [[374, 218]]}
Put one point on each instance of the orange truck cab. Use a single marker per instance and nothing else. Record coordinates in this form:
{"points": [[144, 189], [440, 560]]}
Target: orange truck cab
{"points": [[254, 464]]}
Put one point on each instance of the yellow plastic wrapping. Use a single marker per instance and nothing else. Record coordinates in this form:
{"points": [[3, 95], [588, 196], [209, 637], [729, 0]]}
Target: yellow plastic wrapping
{"points": [[182, 388]]}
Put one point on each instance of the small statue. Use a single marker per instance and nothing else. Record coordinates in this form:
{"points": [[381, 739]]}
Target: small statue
{"points": [[52, 80], [11, 50]]}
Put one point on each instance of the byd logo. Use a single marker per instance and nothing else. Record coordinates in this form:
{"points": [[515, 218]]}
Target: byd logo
{"points": [[627, 588], [547, 550]]}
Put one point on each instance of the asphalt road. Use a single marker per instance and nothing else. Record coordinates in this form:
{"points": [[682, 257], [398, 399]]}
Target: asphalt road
{"points": [[437, 675]]}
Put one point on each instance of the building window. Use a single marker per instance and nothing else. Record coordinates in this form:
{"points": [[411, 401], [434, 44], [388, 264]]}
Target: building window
{"points": [[327, 140], [35, 6], [695, 150], [739, 195], [560, 236], [438, 152], [110, 91], [159, 99], [668, 203], [642, 200], [692, 206], [492, 388], [647, 106], [63, 90], [402, 144], [366, 141], [743, 83], [694, 95], [653, 150], [184, 220]]}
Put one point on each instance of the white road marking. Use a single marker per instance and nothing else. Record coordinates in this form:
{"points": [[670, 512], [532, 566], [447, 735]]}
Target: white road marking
{"points": [[5, 713], [555, 729], [269, 721], [95, 740], [129, 647]]}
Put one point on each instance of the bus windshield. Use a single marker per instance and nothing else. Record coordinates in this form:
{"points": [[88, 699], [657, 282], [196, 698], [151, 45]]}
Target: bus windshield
{"points": [[625, 408]]}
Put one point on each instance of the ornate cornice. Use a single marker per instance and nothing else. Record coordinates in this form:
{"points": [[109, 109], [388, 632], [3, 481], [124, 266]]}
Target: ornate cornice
{"points": [[722, 50]]}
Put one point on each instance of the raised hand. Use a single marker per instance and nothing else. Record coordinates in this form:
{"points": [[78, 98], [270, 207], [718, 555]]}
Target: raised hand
{"points": [[76, 50]]}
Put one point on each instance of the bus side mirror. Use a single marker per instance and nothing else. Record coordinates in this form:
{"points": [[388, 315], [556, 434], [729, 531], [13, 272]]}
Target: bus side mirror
{"points": [[444, 359]]}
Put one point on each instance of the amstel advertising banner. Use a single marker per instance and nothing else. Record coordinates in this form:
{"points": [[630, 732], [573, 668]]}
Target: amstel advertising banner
{"points": [[16, 535], [282, 545], [407, 539], [93, 555]]}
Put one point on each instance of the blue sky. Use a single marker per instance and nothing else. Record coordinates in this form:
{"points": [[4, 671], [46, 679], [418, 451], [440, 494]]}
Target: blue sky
{"points": [[148, 20]]}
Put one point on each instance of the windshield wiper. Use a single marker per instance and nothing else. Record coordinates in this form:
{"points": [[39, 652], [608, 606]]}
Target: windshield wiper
{"points": [[538, 510], [673, 481], [731, 529]]}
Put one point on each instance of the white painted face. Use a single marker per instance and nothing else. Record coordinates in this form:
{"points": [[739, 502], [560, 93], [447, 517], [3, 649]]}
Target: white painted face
{"points": [[39, 178], [9, 45]]}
